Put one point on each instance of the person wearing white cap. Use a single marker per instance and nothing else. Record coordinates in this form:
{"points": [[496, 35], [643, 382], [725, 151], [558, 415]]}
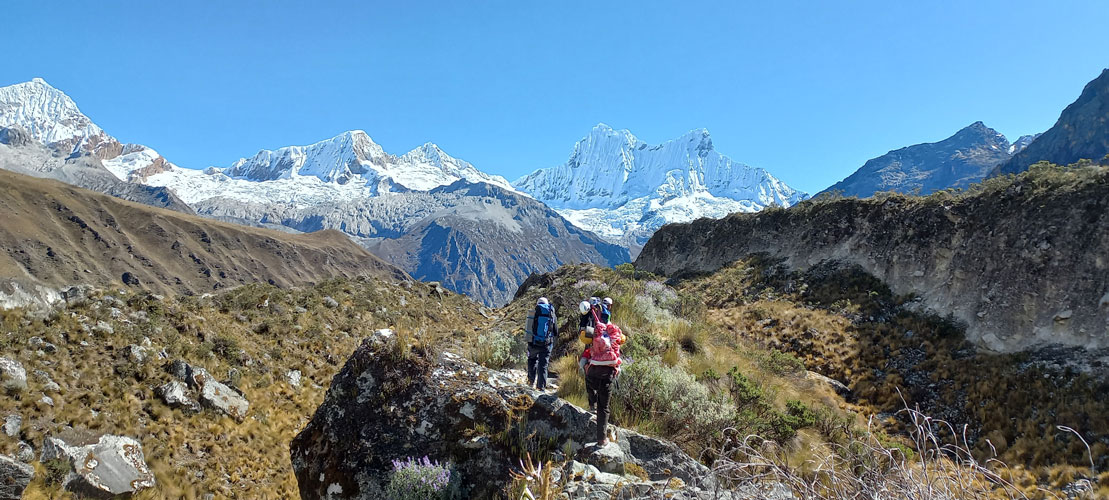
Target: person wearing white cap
{"points": [[542, 330], [606, 310]]}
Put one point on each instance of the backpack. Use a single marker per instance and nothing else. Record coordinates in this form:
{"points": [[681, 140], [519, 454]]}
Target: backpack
{"points": [[544, 326], [605, 350]]}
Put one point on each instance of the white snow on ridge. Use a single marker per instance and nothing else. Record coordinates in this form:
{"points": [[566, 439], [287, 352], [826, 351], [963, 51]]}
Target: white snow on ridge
{"points": [[44, 112], [134, 157], [624, 189], [346, 167]]}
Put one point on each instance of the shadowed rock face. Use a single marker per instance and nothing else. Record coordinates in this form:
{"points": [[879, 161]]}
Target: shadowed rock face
{"points": [[380, 408], [1082, 132], [1020, 268]]}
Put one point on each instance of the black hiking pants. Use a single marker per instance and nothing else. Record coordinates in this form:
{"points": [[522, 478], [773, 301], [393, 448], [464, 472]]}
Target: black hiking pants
{"points": [[598, 380], [539, 355]]}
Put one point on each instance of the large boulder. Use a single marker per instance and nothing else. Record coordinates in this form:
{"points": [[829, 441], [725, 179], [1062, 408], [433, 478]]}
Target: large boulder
{"points": [[14, 478], [13, 377], [382, 407], [106, 466]]}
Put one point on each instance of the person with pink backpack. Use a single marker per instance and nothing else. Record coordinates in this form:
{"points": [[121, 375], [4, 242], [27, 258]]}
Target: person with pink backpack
{"points": [[601, 369]]}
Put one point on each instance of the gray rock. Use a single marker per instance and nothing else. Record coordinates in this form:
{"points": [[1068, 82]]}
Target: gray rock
{"points": [[330, 303], [216, 395], [103, 327], [609, 458], [13, 378], [135, 354], [293, 377], [12, 425], [836, 385], [26, 452], [47, 400], [103, 467], [14, 478], [176, 395]]}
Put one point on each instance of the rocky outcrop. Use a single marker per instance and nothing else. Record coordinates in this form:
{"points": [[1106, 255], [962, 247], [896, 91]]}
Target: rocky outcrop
{"points": [[13, 377], [100, 467], [1082, 132], [14, 478], [384, 406], [1020, 267]]}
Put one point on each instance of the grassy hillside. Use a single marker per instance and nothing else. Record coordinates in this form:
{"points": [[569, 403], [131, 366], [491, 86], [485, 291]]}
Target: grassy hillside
{"points": [[57, 235], [250, 337], [726, 355]]}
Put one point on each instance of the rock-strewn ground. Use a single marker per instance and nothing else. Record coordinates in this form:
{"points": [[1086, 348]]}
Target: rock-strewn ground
{"points": [[388, 403]]}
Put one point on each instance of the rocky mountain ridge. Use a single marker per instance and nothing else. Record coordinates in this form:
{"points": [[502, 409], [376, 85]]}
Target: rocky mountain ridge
{"points": [[624, 189], [21, 154], [1082, 132], [966, 157]]}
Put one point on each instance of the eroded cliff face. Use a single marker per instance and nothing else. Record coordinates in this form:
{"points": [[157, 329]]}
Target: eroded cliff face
{"points": [[1022, 263]]}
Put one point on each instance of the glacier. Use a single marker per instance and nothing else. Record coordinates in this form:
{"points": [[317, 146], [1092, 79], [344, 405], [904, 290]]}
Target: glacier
{"points": [[624, 189]]}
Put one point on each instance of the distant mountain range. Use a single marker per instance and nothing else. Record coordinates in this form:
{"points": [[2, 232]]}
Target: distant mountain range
{"points": [[444, 220], [441, 218], [958, 161], [977, 151], [624, 189]]}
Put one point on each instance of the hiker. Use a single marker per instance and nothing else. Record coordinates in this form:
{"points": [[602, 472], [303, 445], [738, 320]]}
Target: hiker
{"points": [[586, 323], [541, 332], [585, 334], [606, 310], [600, 371]]}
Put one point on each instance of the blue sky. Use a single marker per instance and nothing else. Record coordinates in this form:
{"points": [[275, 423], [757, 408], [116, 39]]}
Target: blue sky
{"points": [[808, 90]]}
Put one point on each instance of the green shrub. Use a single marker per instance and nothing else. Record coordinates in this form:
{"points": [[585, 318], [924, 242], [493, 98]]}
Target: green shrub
{"points": [[499, 349], [781, 363], [643, 344], [671, 400], [744, 390]]}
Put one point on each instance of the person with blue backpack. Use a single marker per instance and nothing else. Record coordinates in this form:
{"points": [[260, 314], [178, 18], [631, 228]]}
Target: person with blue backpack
{"points": [[540, 335]]}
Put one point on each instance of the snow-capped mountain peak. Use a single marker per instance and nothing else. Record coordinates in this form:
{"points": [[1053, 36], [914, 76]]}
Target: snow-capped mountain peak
{"points": [[48, 115], [624, 189], [338, 159], [352, 157]]}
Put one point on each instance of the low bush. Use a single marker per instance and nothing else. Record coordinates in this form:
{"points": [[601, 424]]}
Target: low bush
{"points": [[653, 395], [419, 479], [499, 349]]}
